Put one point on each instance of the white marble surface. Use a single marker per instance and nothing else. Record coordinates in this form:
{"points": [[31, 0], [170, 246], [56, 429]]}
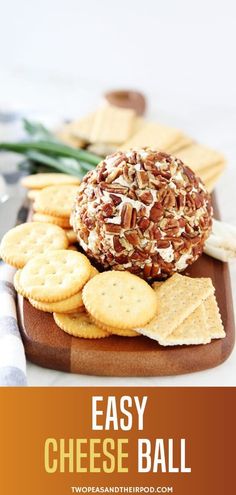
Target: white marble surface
{"points": [[60, 56]]}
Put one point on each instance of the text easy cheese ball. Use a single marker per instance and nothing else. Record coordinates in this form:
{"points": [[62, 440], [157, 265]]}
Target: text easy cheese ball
{"points": [[142, 211]]}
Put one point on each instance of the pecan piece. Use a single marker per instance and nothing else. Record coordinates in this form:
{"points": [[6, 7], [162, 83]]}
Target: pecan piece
{"points": [[138, 255], [135, 270], [182, 222], [154, 270], [145, 197], [142, 212], [114, 188], [163, 244], [132, 237], [131, 194], [112, 228], [113, 175], [117, 245], [143, 223], [134, 218], [198, 200], [169, 200], [180, 200], [147, 270], [116, 200], [102, 174], [122, 259], [126, 172], [189, 173], [126, 215], [142, 178], [156, 212], [108, 210]]}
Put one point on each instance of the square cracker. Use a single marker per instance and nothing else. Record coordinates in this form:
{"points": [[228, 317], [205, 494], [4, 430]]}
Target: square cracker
{"points": [[155, 136], [82, 128], [200, 327], [193, 330], [207, 173], [199, 157], [213, 318], [66, 137], [103, 149], [112, 125], [177, 298], [180, 143]]}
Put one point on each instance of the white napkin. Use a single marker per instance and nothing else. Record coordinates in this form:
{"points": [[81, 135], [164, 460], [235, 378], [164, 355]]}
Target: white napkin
{"points": [[12, 354]]}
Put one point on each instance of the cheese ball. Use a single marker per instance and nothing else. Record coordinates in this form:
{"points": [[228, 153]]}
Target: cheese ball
{"points": [[143, 211]]}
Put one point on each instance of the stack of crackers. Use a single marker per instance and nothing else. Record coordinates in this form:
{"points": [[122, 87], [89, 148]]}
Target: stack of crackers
{"points": [[111, 128], [187, 312], [86, 304], [58, 279], [52, 195]]}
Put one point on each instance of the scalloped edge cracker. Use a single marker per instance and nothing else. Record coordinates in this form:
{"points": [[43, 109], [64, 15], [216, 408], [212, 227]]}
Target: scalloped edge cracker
{"points": [[79, 325], [52, 278], [121, 332], [108, 291], [26, 240], [56, 200], [39, 181]]}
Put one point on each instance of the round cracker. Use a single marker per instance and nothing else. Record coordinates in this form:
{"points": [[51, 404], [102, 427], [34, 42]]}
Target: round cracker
{"points": [[78, 310], [56, 200], [128, 332], [30, 239], [39, 181], [51, 278], [94, 272], [120, 299], [72, 303], [79, 325], [62, 222], [69, 305], [71, 236]]}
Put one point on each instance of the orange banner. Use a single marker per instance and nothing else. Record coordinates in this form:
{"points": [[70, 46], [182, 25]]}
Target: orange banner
{"points": [[117, 440]]}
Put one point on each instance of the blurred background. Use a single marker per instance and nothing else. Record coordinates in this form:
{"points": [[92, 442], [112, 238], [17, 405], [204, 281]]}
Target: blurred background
{"points": [[58, 57], [173, 49]]}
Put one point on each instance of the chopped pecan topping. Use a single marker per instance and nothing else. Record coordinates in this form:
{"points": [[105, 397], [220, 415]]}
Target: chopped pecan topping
{"points": [[139, 203]]}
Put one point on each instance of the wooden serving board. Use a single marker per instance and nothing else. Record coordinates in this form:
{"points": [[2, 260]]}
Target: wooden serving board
{"points": [[48, 346]]}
